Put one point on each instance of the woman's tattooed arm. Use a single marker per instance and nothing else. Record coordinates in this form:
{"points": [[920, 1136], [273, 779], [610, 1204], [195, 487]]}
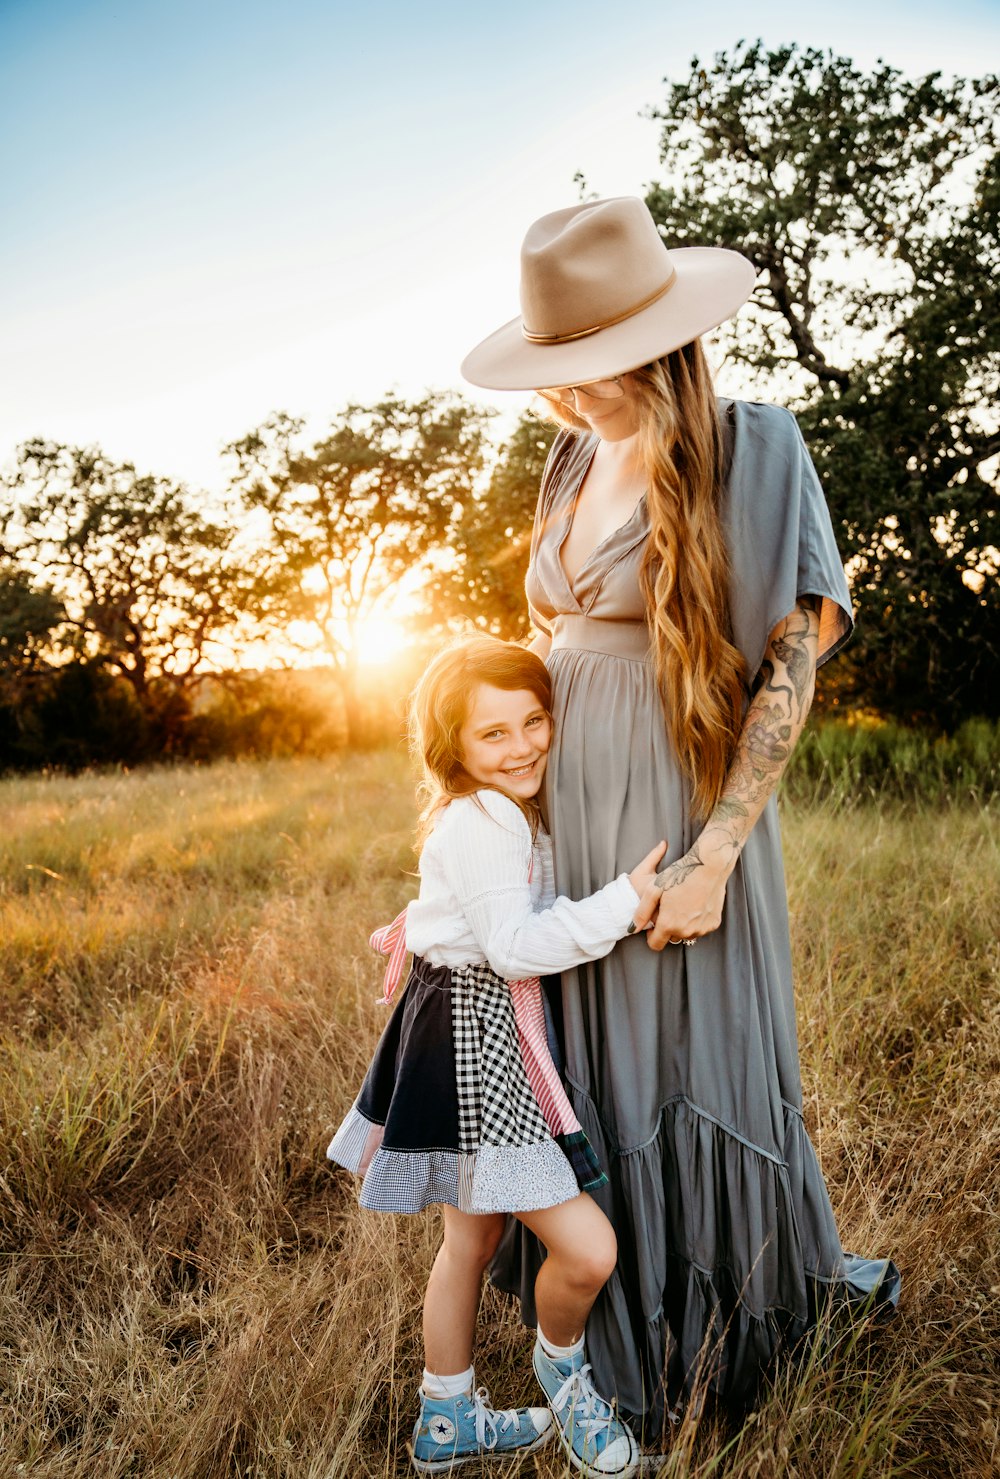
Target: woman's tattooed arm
{"points": [[774, 721]]}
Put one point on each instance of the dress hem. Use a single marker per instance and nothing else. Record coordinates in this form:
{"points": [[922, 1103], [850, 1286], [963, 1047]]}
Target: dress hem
{"points": [[740, 1257]]}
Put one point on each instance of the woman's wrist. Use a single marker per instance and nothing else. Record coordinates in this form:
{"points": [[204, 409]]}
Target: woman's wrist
{"points": [[719, 849]]}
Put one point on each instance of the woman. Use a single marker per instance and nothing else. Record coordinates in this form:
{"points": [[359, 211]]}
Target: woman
{"points": [[685, 576]]}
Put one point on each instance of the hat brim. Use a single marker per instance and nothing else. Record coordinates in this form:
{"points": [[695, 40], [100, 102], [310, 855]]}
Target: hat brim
{"points": [[710, 285]]}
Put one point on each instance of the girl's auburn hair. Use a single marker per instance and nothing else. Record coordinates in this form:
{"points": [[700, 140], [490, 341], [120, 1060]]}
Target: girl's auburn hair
{"points": [[441, 704], [685, 572]]}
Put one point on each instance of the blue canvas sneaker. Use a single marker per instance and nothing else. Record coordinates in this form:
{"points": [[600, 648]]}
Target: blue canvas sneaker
{"points": [[594, 1440], [453, 1430]]}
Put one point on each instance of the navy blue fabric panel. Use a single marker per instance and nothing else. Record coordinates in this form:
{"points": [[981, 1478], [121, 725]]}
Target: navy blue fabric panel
{"points": [[410, 1086], [553, 1010]]}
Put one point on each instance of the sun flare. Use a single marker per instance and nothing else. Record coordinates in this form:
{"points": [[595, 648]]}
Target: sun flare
{"points": [[379, 639]]}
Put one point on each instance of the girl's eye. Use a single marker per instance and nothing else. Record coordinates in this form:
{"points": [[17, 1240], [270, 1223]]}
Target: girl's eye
{"points": [[536, 719], [493, 734]]}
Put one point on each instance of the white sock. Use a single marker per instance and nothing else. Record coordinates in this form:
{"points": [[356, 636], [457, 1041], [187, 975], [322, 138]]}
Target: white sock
{"points": [[559, 1352], [443, 1387]]}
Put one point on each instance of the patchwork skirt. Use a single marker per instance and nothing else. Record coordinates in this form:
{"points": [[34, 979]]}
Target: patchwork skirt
{"points": [[463, 1104]]}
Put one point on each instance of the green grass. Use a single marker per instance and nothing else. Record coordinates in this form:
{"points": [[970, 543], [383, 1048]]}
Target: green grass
{"points": [[188, 1005], [850, 763]]}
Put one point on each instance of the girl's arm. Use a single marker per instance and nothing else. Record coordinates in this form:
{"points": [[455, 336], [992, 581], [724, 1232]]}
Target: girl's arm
{"points": [[694, 887], [486, 855]]}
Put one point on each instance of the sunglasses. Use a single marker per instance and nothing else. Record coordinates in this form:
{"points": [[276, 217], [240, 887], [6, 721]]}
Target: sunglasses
{"points": [[598, 390]]}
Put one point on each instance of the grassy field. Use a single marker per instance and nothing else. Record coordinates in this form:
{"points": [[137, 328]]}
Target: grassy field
{"points": [[187, 1288]]}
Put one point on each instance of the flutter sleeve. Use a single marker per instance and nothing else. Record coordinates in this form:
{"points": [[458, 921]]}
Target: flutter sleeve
{"points": [[780, 535]]}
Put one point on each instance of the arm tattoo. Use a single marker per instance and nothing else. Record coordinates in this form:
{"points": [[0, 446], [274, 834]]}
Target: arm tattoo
{"points": [[772, 725], [680, 871]]}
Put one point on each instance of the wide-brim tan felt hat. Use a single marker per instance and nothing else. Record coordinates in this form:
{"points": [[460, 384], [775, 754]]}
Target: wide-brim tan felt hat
{"points": [[601, 294]]}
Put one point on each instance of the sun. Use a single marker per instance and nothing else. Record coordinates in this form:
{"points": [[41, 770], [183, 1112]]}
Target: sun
{"points": [[379, 639]]}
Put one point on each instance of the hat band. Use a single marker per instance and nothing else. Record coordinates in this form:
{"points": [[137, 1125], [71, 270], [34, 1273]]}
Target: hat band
{"points": [[605, 323]]}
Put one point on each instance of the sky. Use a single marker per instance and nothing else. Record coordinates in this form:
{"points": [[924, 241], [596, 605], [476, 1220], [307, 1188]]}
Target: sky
{"points": [[213, 210]]}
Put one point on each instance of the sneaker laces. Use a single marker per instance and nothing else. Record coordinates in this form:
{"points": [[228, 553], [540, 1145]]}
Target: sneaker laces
{"points": [[592, 1411], [489, 1421]]}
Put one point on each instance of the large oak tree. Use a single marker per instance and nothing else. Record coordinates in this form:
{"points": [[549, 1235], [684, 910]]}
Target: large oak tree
{"points": [[352, 516], [869, 203], [144, 579]]}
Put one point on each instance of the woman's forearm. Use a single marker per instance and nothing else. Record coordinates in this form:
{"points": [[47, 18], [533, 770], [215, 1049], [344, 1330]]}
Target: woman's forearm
{"points": [[775, 719]]}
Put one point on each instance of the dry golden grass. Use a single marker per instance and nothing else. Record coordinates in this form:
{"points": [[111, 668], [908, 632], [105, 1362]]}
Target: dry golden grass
{"points": [[187, 1288]]}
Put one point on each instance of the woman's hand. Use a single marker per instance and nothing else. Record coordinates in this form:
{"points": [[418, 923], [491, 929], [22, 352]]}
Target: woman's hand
{"points": [[693, 891], [643, 880]]}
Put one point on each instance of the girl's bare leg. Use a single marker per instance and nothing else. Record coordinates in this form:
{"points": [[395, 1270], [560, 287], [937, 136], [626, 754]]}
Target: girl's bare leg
{"points": [[582, 1250], [451, 1303]]}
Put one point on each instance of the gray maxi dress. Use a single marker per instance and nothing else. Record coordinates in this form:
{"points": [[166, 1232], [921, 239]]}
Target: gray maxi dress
{"points": [[683, 1065]]}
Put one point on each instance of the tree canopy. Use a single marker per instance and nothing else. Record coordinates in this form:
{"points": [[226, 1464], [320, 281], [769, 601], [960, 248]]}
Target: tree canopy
{"points": [[491, 538], [870, 205], [144, 579], [350, 517]]}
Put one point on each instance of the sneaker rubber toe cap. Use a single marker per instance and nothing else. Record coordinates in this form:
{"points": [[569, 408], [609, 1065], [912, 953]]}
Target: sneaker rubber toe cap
{"points": [[619, 1458]]}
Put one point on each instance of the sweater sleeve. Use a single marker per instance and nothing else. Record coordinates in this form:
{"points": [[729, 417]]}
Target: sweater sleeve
{"points": [[486, 854]]}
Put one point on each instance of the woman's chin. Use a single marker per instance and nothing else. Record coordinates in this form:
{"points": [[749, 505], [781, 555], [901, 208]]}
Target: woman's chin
{"points": [[616, 426]]}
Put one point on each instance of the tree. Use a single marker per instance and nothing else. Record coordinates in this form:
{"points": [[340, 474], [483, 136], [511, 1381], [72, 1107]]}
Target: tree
{"points": [[870, 205], [492, 537], [29, 615], [146, 581], [352, 518]]}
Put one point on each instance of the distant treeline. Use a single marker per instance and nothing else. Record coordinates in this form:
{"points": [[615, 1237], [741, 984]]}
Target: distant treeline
{"points": [[82, 715], [869, 204]]}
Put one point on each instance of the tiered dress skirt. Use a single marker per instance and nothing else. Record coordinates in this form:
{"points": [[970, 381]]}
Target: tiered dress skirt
{"points": [[463, 1104]]}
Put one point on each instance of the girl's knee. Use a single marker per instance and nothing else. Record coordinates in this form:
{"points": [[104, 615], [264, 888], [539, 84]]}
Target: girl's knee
{"points": [[596, 1262]]}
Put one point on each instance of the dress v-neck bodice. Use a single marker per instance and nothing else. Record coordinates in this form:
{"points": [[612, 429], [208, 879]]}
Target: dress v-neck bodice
{"points": [[607, 583], [775, 520], [596, 553]]}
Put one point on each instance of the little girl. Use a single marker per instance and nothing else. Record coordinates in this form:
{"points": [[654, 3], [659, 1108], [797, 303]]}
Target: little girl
{"points": [[462, 1104]]}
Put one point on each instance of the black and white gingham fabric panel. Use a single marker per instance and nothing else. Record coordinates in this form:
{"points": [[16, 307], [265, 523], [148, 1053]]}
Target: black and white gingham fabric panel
{"points": [[409, 1181], [496, 1105]]}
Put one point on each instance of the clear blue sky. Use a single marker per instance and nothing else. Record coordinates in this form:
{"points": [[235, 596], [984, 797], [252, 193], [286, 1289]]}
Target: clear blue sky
{"points": [[215, 209]]}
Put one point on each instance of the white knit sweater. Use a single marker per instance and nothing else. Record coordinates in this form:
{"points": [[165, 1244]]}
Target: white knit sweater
{"points": [[477, 904]]}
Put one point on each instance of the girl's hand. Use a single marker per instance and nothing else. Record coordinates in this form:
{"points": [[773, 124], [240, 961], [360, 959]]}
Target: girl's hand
{"points": [[643, 881], [692, 893]]}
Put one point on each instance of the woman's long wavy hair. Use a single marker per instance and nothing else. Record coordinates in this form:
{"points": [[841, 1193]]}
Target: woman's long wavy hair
{"points": [[440, 705], [685, 572]]}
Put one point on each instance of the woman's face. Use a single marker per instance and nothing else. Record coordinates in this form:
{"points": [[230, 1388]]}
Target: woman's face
{"points": [[612, 420]]}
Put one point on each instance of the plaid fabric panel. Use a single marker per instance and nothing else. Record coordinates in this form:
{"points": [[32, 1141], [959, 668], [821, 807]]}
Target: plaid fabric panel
{"points": [[467, 1040], [583, 1158], [496, 1105]]}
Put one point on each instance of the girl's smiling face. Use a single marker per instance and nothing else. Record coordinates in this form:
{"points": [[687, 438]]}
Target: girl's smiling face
{"points": [[505, 739]]}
